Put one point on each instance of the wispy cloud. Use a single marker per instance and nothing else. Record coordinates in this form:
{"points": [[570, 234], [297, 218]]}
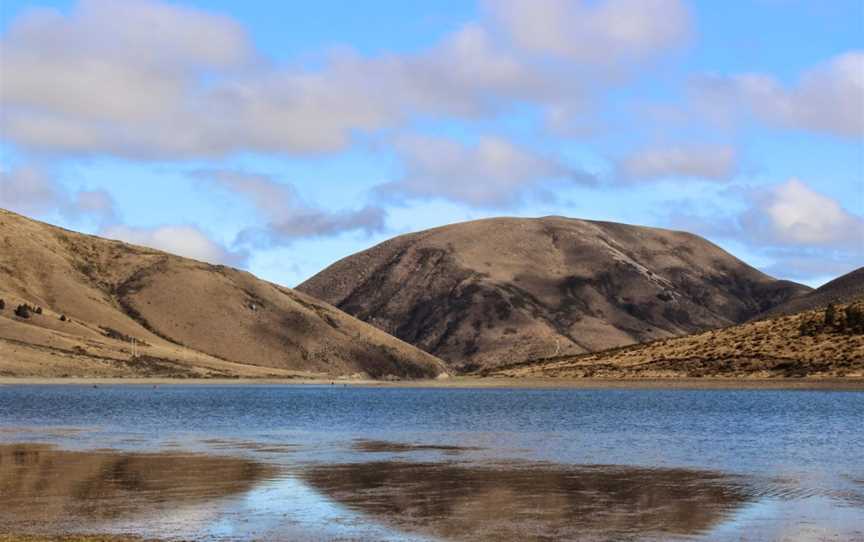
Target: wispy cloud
{"points": [[183, 240], [287, 217], [712, 162], [491, 173], [600, 33], [828, 98], [31, 190]]}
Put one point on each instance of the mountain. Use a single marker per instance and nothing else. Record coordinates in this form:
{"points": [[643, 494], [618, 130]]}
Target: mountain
{"points": [[188, 318], [777, 347], [844, 289], [504, 290]]}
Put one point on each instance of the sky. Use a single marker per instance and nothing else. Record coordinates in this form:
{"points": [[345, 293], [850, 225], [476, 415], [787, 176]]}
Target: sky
{"points": [[279, 137]]}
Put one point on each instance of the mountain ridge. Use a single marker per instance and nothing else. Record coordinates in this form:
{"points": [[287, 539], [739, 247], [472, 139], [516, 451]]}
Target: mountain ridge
{"points": [[501, 290], [845, 288]]}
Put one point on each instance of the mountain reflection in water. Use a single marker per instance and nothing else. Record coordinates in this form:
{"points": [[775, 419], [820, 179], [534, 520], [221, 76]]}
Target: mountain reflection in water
{"points": [[533, 501], [280, 463], [43, 488]]}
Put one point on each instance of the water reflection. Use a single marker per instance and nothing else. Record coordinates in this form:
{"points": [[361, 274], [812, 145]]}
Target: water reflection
{"points": [[45, 489], [196, 496], [533, 502], [385, 446]]}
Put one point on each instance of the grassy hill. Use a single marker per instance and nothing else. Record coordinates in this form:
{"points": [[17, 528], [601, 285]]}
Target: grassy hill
{"points": [[798, 345], [482, 293], [187, 318]]}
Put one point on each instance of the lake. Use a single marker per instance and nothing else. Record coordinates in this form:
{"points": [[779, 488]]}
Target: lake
{"points": [[273, 462]]}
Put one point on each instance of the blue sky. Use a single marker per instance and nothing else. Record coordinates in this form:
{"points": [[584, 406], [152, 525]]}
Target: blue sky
{"points": [[280, 137]]}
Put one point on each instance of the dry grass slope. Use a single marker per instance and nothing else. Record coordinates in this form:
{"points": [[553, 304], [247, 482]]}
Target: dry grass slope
{"points": [[190, 319], [763, 349]]}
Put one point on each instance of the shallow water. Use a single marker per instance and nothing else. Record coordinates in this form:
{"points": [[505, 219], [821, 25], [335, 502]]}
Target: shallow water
{"points": [[330, 462]]}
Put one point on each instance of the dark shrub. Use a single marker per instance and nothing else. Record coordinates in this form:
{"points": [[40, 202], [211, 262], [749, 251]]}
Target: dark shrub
{"points": [[38, 310], [22, 311], [62, 317], [2, 304], [854, 322], [830, 315]]}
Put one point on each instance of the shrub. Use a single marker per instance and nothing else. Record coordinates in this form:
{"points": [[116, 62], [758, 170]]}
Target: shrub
{"points": [[855, 319], [62, 317], [830, 314], [38, 310], [22, 311], [2, 304], [847, 321]]}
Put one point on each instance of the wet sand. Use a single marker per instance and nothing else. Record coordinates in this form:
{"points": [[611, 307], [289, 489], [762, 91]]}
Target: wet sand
{"points": [[855, 384]]}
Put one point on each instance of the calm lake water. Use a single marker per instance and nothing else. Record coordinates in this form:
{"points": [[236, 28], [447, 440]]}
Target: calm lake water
{"points": [[336, 463]]}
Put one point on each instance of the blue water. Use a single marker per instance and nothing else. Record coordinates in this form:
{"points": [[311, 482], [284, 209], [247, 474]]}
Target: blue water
{"points": [[815, 439]]}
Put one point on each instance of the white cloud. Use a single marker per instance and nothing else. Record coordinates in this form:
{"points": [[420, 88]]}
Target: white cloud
{"points": [[113, 76], [802, 233], [715, 162], [491, 173], [31, 191], [792, 213], [288, 218], [146, 79], [594, 32], [182, 240], [828, 98]]}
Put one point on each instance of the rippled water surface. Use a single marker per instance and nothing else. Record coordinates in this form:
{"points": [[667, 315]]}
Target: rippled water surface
{"points": [[333, 462]]}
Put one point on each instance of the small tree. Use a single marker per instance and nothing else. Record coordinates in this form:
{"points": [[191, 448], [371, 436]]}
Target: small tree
{"points": [[830, 315], [854, 319], [22, 311]]}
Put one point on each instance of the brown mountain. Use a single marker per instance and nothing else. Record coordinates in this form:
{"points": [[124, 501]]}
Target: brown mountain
{"points": [[505, 290], [844, 289], [189, 318]]}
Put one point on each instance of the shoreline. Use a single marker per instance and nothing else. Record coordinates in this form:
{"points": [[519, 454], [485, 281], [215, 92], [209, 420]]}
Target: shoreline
{"points": [[852, 384]]}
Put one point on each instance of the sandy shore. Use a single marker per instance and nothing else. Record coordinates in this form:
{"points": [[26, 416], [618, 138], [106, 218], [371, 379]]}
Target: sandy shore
{"points": [[470, 382]]}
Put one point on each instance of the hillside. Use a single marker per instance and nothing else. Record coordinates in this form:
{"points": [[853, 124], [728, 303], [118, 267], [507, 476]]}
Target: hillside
{"points": [[843, 289], [778, 347], [188, 318], [504, 290]]}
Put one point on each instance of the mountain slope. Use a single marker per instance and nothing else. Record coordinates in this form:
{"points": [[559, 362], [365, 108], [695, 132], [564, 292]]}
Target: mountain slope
{"points": [[192, 318], [504, 290], [761, 349], [843, 289]]}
